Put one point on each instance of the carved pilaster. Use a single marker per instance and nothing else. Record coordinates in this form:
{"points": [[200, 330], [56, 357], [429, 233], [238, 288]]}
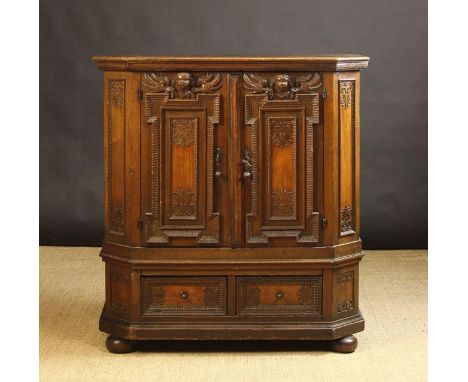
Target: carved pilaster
{"points": [[115, 128]]}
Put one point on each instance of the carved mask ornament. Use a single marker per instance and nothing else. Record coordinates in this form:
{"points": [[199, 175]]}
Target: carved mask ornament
{"points": [[281, 86], [183, 86]]}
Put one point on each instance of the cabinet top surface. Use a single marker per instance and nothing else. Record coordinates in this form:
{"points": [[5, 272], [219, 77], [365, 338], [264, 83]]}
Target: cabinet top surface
{"points": [[325, 62]]}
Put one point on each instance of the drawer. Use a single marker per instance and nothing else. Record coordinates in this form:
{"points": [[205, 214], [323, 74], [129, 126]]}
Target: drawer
{"points": [[183, 295], [279, 295]]}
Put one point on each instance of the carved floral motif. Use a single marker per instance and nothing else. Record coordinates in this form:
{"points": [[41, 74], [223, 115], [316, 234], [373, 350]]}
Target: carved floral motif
{"points": [[345, 277], [282, 86], [346, 88], [183, 131], [282, 133], [117, 90], [346, 219], [282, 202], [182, 203], [345, 305], [117, 223]]}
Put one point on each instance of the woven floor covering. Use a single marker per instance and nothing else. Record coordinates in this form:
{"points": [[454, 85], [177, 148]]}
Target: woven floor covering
{"points": [[393, 347]]}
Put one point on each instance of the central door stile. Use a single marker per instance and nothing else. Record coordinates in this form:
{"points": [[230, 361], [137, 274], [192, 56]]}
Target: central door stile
{"points": [[234, 161]]}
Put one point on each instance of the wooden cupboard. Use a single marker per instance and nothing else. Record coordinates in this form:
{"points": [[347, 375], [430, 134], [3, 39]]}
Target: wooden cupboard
{"points": [[231, 198]]}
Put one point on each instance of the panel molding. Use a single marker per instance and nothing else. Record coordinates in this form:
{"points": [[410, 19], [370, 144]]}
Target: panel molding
{"points": [[119, 293], [281, 98], [184, 132], [196, 107], [281, 134], [345, 291]]}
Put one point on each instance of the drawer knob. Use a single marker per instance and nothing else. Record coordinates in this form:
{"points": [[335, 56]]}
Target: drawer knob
{"points": [[183, 295], [279, 294]]}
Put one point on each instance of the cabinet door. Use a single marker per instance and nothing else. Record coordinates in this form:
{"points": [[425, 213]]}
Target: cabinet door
{"points": [[180, 158], [282, 157]]}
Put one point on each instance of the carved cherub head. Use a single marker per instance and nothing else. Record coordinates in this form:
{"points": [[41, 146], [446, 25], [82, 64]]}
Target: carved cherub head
{"points": [[183, 82], [281, 83]]}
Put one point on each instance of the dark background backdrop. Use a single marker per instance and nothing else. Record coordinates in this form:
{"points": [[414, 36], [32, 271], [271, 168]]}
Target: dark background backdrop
{"points": [[393, 104]]}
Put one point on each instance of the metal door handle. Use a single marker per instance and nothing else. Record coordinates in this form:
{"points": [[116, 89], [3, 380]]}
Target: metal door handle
{"points": [[247, 162], [218, 158]]}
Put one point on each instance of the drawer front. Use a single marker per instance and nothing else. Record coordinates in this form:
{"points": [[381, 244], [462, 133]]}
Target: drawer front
{"points": [[279, 295], [183, 295]]}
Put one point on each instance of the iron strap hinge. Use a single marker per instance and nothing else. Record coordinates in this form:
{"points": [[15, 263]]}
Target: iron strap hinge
{"points": [[324, 94], [140, 224], [141, 221], [324, 222]]}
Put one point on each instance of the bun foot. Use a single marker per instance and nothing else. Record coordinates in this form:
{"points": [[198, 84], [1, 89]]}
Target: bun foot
{"points": [[119, 345], [346, 344]]}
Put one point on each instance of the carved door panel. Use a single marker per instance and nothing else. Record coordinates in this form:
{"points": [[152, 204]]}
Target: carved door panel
{"points": [[281, 158], [180, 158]]}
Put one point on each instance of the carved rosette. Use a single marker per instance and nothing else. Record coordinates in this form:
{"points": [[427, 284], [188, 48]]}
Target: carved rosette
{"points": [[282, 133], [346, 90], [282, 203], [346, 219], [183, 133]]}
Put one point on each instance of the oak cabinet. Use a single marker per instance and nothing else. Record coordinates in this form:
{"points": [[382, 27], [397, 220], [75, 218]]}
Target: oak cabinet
{"points": [[231, 198]]}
